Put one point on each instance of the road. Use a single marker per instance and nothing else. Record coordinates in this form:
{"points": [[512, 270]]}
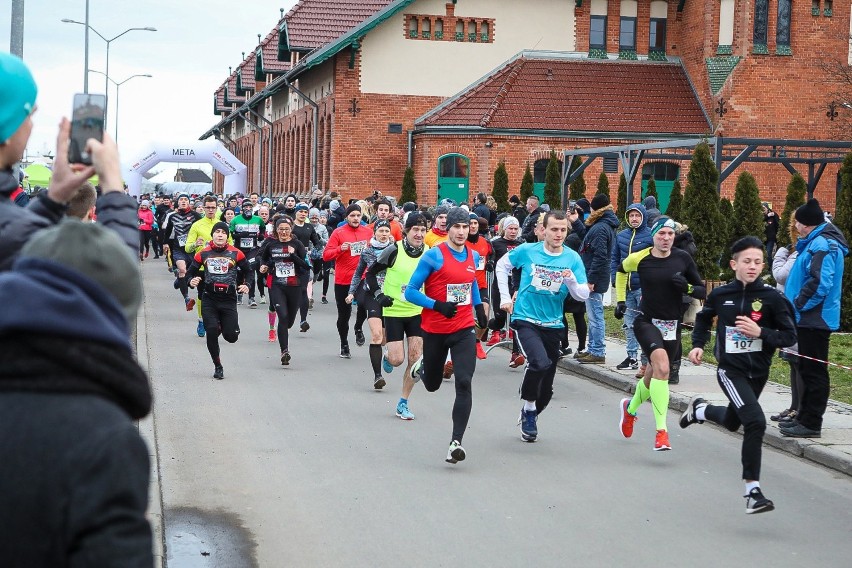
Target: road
{"points": [[308, 466]]}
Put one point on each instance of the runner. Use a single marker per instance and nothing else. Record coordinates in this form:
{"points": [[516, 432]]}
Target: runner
{"points": [[384, 212], [664, 273], [753, 319], [318, 266], [266, 233], [438, 233], [402, 318], [380, 241], [481, 245], [248, 231], [307, 235], [174, 234], [222, 282], [549, 271], [344, 247], [284, 259], [448, 274]]}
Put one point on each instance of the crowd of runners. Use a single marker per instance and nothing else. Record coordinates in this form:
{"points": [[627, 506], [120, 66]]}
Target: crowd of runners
{"points": [[439, 287]]}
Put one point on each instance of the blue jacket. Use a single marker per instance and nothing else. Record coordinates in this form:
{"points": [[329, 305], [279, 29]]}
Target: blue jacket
{"points": [[629, 241], [597, 246], [816, 279]]}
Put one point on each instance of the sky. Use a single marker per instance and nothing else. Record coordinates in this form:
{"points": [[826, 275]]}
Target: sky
{"points": [[188, 57]]}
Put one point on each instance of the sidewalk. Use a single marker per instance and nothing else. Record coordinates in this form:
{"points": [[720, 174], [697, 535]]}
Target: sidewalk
{"points": [[833, 449]]}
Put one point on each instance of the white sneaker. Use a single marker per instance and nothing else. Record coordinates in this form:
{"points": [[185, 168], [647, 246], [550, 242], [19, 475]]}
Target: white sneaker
{"points": [[417, 369], [455, 453]]}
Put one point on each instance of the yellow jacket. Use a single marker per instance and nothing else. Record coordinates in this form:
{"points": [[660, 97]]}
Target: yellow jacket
{"points": [[203, 228]]}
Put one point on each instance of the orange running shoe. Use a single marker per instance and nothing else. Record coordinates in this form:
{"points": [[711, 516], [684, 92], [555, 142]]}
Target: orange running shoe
{"points": [[448, 369], [662, 442], [517, 360], [480, 352], [272, 336], [190, 303], [627, 419], [496, 337]]}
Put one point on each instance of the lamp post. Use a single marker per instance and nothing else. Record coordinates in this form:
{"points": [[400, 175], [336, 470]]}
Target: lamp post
{"points": [[117, 85], [108, 41]]}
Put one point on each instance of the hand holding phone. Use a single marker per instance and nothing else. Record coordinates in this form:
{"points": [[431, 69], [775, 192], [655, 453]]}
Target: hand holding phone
{"points": [[87, 122]]}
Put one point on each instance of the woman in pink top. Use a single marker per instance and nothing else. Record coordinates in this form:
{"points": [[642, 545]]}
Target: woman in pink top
{"points": [[146, 228]]}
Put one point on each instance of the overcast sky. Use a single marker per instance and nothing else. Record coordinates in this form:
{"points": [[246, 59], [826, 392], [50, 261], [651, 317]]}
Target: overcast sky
{"points": [[188, 56]]}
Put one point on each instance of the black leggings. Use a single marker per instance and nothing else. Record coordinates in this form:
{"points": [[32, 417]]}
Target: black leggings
{"points": [[743, 408], [220, 317], [285, 300], [146, 238], [462, 347], [344, 313], [582, 329], [540, 346], [261, 280]]}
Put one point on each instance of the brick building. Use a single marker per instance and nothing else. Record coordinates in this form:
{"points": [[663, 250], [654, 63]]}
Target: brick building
{"points": [[344, 94]]}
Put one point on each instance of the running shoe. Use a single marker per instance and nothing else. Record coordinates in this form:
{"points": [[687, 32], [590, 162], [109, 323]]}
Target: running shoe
{"points": [[627, 419], [661, 442], [304, 326], [564, 352], [516, 360], [272, 336], [529, 431], [688, 416], [496, 337], [176, 283], [629, 363], [285, 358], [580, 353], [200, 329], [311, 304], [480, 352], [218, 372], [344, 352], [386, 365], [417, 370], [757, 503], [448, 370], [456, 453], [403, 412], [379, 382], [324, 300], [360, 340], [262, 299], [190, 303], [252, 303]]}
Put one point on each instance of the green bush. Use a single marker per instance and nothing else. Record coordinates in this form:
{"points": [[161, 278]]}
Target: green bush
{"points": [[622, 197], [843, 221], [500, 193], [526, 185], [603, 185], [651, 190], [796, 190], [409, 187], [553, 183], [577, 190], [702, 212], [674, 210]]}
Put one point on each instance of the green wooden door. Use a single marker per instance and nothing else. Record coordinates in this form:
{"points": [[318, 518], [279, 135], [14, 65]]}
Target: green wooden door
{"points": [[539, 175], [453, 177], [664, 175]]}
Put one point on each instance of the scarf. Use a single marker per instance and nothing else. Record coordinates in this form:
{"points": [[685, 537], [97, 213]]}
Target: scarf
{"points": [[412, 250], [378, 245]]}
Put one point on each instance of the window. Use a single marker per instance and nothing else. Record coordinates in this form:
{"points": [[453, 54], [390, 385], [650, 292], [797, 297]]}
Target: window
{"points": [[454, 166], [660, 171], [782, 31], [597, 32], [761, 24], [540, 170], [627, 34], [657, 41], [412, 28]]}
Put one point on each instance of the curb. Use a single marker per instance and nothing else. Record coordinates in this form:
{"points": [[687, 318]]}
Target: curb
{"points": [[800, 447]]}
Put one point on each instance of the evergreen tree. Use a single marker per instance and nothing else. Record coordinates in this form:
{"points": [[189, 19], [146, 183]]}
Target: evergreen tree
{"points": [[796, 190], [553, 183], [500, 193], [577, 190], [703, 215], [603, 184], [675, 207], [526, 185], [745, 219], [409, 187], [843, 221], [726, 208], [651, 190], [622, 196]]}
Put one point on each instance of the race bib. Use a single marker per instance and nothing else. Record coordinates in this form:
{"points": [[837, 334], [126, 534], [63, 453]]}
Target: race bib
{"points": [[246, 228], [667, 327], [182, 240], [218, 265], [546, 279], [355, 249], [738, 342], [246, 242], [480, 266], [459, 293], [285, 270]]}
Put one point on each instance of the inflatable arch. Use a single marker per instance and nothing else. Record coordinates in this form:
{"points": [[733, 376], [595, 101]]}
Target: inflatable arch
{"points": [[209, 151]]}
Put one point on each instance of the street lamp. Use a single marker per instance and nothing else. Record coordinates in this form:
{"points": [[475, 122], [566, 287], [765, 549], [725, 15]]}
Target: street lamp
{"points": [[117, 85], [108, 41]]}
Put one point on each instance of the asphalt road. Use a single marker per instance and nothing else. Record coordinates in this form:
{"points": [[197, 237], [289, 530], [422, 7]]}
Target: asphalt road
{"points": [[308, 466]]}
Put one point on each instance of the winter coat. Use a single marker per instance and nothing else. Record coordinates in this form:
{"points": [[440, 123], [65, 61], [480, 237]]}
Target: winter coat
{"points": [[781, 266], [651, 211], [627, 242], [146, 219], [815, 283], [528, 226], [596, 249]]}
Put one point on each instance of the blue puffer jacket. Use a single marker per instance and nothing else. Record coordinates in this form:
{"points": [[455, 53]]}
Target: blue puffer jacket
{"points": [[629, 241], [816, 279]]}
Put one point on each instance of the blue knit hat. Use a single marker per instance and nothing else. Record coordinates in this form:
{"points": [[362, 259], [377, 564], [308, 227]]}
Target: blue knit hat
{"points": [[17, 94]]}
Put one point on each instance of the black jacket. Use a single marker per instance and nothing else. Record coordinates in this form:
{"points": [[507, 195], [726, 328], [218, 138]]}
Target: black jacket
{"points": [[765, 305], [528, 225], [597, 247]]}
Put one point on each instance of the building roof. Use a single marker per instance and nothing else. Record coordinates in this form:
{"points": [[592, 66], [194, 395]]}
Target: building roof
{"points": [[189, 175], [220, 101], [245, 72], [231, 95], [575, 94], [314, 23], [269, 54]]}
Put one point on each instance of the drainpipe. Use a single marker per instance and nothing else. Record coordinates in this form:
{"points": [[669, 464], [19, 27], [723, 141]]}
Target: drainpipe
{"points": [[315, 142], [268, 149], [259, 146], [410, 147]]}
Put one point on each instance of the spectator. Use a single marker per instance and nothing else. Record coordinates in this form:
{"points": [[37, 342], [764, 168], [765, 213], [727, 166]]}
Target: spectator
{"points": [[770, 221], [518, 211], [146, 228], [528, 226], [782, 264], [651, 210], [483, 211], [74, 464], [82, 205], [814, 287]]}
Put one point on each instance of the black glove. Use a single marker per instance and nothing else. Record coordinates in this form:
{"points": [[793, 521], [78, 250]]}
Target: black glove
{"points": [[620, 310], [384, 301], [489, 266], [481, 318], [446, 309], [679, 280]]}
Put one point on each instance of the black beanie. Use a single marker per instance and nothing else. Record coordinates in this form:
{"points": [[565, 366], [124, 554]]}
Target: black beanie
{"points": [[600, 201], [414, 219], [810, 214], [351, 208], [221, 225]]}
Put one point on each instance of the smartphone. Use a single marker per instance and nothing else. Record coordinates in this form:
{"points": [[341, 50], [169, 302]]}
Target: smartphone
{"points": [[87, 121]]}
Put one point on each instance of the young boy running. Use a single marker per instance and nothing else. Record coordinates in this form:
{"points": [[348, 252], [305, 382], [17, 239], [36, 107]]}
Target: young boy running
{"points": [[753, 320]]}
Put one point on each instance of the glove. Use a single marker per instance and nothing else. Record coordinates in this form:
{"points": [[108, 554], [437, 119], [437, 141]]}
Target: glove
{"points": [[620, 310], [384, 301], [481, 319], [489, 266], [679, 280], [446, 309]]}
